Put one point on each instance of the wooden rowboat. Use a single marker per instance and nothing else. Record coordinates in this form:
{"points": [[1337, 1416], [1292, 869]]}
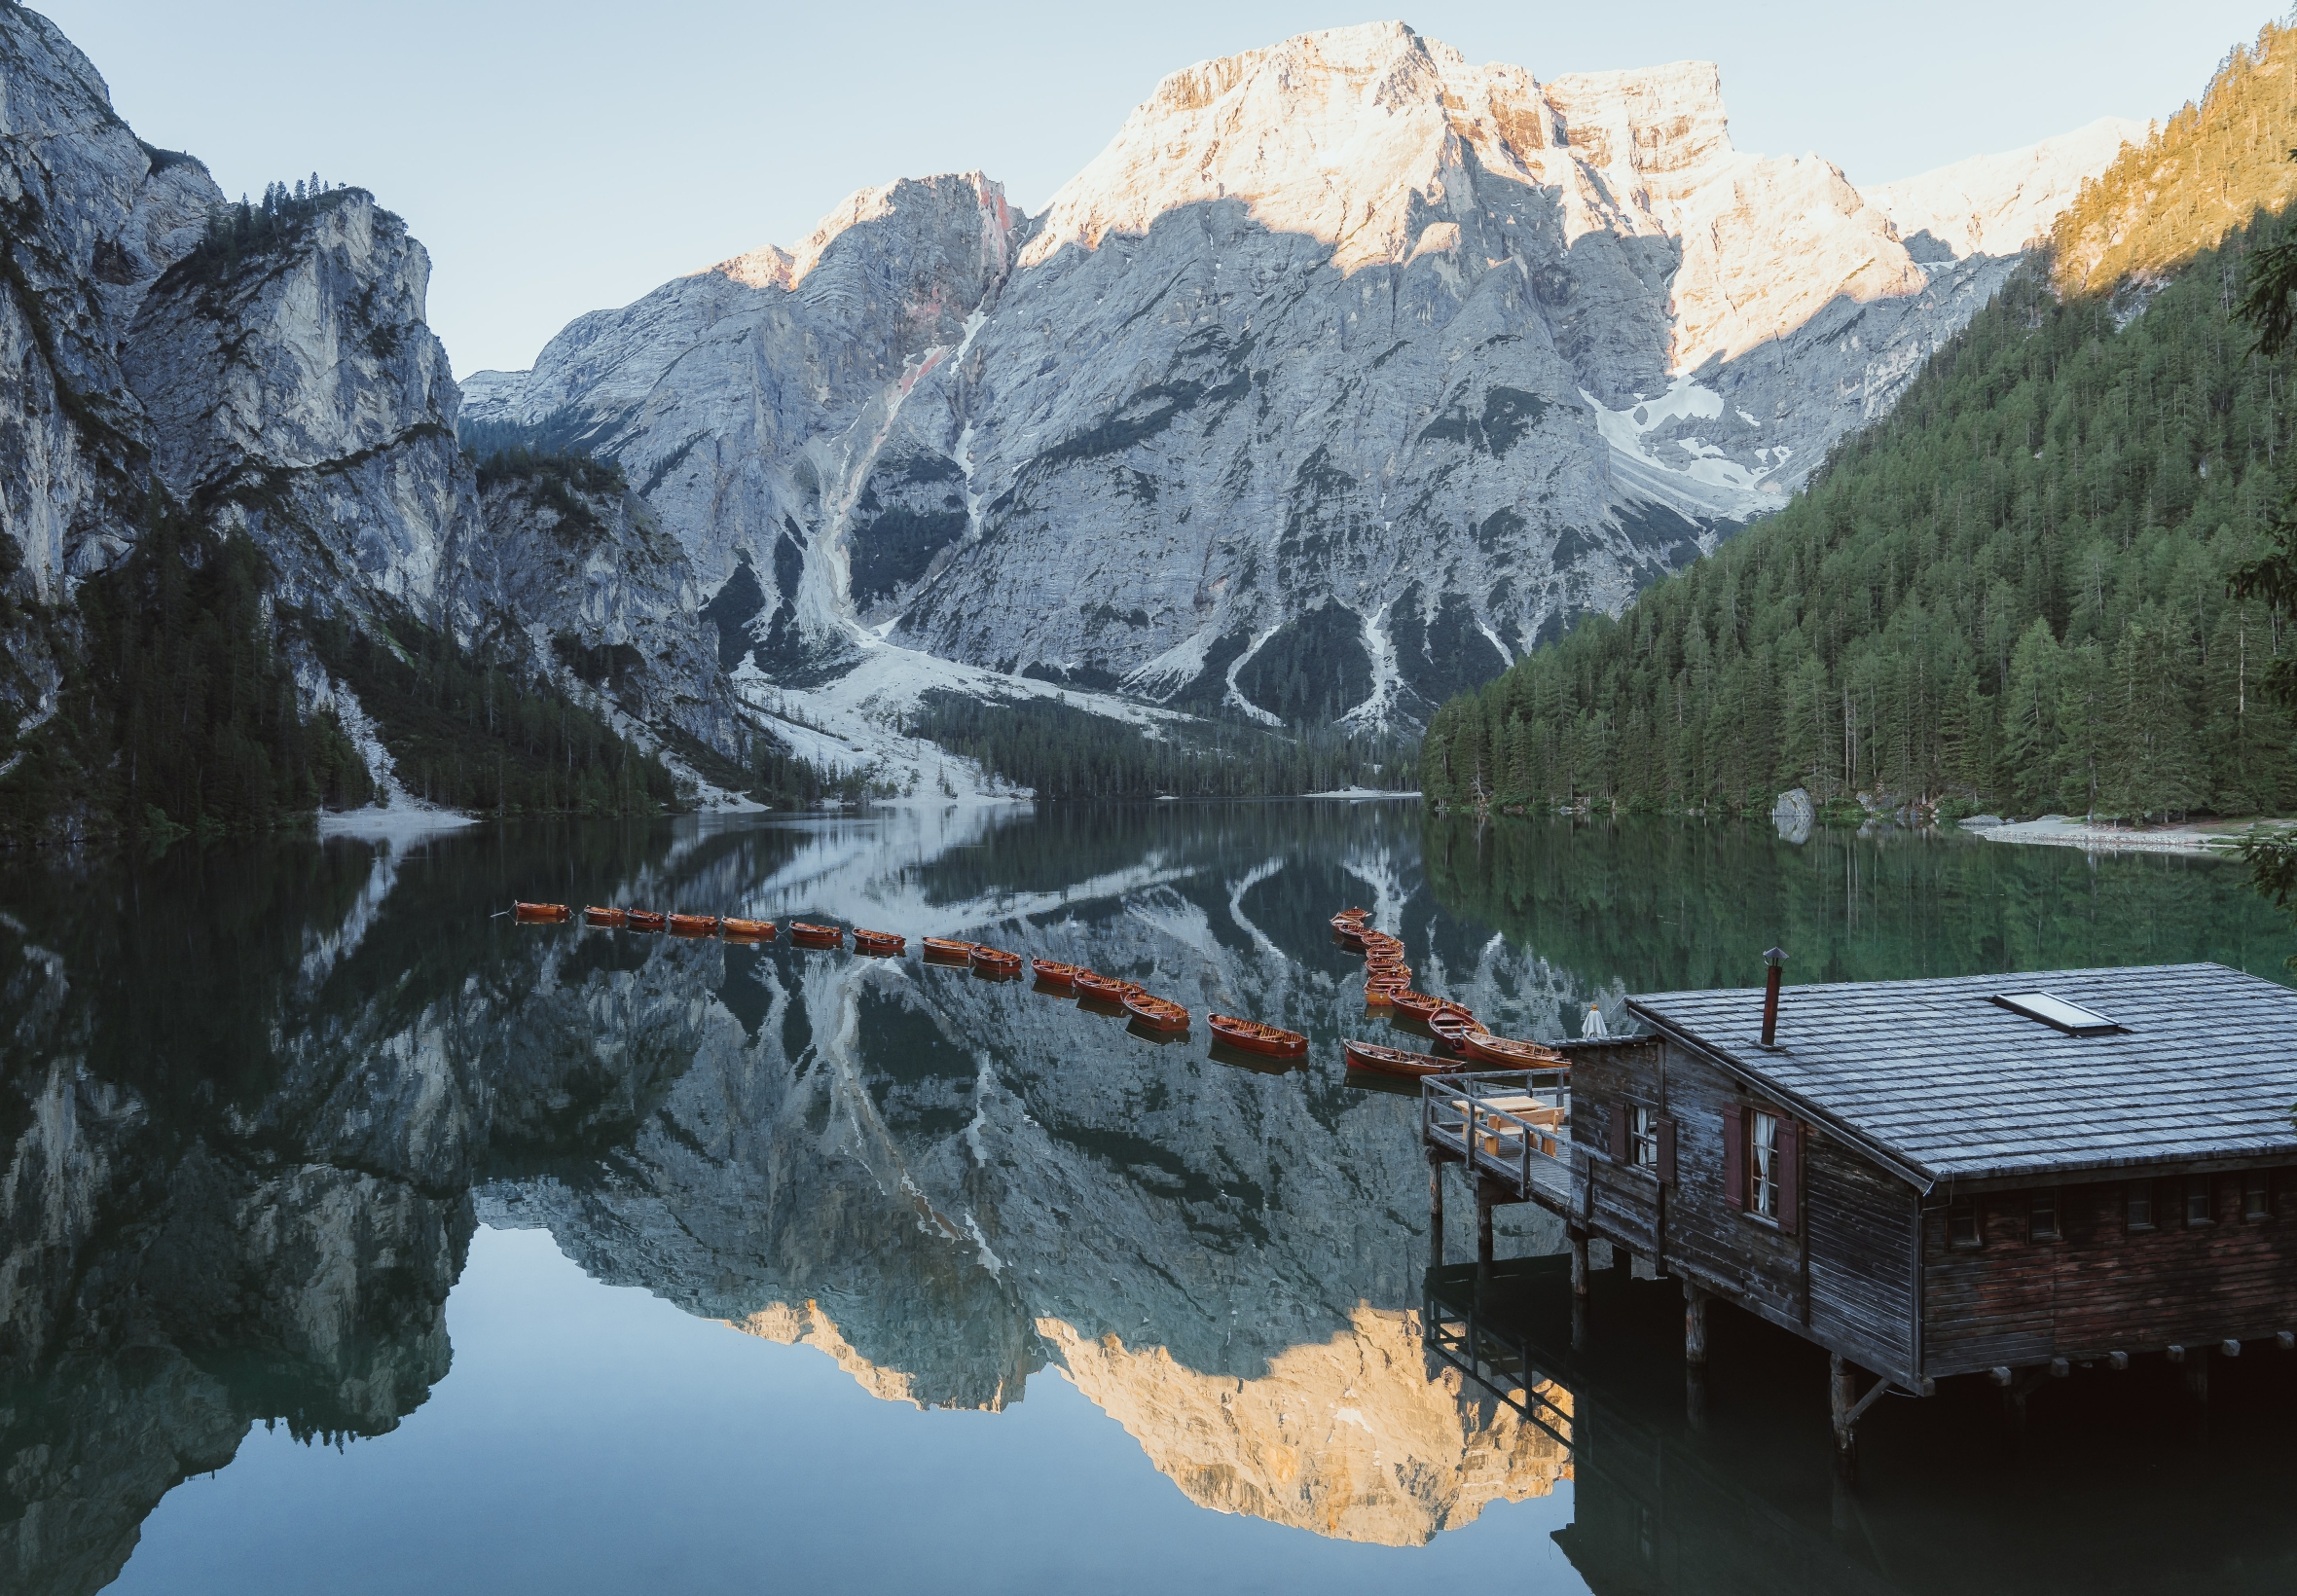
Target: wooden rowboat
{"points": [[645, 919], [1255, 1038], [1377, 995], [1348, 931], [943, 950], [1360, 916], [753, 931], [1451, 1026], [542, 912], [1156, 1013], [996, 960], [1508, 1054], [816, 936], [1393, 1061], [878, 941], [1106, 988], [596, 916], [693, 924], [1053, 973], [1420, 1007]]}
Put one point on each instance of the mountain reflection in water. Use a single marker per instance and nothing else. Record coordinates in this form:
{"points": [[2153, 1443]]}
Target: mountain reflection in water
{"points": [[257, 1098]]}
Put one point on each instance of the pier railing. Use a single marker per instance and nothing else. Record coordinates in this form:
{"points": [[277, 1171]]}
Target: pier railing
{"points": [[1512, 1123]]}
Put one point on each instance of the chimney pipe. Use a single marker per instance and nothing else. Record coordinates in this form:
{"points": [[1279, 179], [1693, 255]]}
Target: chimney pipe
{"points": [[1776, 960]]}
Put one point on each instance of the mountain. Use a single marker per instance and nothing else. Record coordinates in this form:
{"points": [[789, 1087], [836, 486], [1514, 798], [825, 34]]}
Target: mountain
{"points": [[1347, 372], [246, 566], [2012, 593]]}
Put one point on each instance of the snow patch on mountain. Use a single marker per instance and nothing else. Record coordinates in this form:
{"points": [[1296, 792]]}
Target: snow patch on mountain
{"points": [[1999, 205]]}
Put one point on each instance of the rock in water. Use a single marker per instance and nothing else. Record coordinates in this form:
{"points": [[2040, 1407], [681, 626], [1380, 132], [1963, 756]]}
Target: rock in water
{"points": [[1794, 815]]}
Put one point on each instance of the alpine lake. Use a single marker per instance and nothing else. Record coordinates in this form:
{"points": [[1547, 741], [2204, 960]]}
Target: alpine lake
{"points": [[359, 1238]]}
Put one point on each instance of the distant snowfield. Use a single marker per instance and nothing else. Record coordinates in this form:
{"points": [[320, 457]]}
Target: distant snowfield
{"points": [[854, 723]]}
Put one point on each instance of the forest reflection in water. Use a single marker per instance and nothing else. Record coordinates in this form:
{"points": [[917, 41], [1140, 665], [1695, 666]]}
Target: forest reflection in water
{"points": [[258, 1098]]}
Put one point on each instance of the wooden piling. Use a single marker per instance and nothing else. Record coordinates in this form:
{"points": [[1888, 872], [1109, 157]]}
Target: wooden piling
{"points": [[1435, 1210], [1841, 1398], [1695, 1327]]}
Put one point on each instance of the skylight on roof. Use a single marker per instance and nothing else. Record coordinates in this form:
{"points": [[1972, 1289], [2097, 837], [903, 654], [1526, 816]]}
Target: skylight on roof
{"points": [[2071, 1018]]}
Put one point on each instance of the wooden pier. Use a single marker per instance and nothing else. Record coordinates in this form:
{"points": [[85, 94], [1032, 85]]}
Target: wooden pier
{"points": [[2002, 1176]]}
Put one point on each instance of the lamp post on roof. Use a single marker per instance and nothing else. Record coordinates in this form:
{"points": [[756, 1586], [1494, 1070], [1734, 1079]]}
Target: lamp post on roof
{"points": [[1776, 960]]}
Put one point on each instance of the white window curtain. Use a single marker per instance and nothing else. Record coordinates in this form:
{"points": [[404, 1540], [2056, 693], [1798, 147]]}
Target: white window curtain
{"points": [[1765, 1146]]}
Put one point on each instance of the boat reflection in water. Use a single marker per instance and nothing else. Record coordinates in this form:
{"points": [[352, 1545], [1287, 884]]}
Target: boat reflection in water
{"points": [[2112, 1481]]}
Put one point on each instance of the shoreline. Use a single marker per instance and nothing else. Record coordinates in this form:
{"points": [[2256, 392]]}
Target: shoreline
{"points": [[2056, 831]]}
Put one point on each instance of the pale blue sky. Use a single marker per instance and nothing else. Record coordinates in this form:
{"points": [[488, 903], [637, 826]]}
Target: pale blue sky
{"points": [[560, 157]]}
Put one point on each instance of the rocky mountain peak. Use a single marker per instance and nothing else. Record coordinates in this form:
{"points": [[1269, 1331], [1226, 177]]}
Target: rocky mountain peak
{"points": [[772, 267], [1346, 136]]}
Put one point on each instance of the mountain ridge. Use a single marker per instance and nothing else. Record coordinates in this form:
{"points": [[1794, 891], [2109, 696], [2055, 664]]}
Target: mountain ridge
{"points": [[1165, 388]]}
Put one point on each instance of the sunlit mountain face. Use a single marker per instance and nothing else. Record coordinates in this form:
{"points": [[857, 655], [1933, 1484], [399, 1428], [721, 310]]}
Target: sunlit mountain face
{"points": [[257, 1101]]}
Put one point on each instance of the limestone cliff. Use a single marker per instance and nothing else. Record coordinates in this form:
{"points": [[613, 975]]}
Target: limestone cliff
{"points": [[1346, 362]]}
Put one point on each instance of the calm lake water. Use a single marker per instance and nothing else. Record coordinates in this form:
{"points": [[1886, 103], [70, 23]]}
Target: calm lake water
{"points": [[357, 1241]]}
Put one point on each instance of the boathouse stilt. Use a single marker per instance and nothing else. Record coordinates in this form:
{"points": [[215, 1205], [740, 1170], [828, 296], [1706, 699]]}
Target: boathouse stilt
{"points": [[1695, 1327], [1579, 1264], [1842, 1405], [1435, 1165], [1485, 1192]]}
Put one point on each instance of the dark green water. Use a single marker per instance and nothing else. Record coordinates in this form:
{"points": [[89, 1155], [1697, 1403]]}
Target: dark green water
{"points": [[357, 1240]]}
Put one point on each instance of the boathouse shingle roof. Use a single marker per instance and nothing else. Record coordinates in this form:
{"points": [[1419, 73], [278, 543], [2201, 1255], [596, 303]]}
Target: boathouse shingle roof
{"points": [[1955, 1087]]}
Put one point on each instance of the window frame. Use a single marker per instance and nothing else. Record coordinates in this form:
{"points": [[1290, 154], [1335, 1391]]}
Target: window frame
{"points": [[2256, 1196], [2137, 1194], [2036, 1228], [2200, 1202], [1643, 1139], [1965, 1208], [1762, 1164]]}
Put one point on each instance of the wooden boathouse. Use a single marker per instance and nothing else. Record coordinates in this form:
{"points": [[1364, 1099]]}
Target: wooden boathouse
{"points": [[2005, 1175]]}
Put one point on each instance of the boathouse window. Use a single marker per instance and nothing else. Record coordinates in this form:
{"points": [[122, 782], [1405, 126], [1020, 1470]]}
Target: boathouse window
{"points": [[1763, 1146], [2042, 1226], [1643, 1137], [2140, 1205], [2198, 1208], [2256, 1195], [1961, 1222]]}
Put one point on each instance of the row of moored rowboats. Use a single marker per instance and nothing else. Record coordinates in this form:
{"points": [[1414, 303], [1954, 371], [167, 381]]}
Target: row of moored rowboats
{"points": [[1387, 985], [803, 932], [1158, 1014]]}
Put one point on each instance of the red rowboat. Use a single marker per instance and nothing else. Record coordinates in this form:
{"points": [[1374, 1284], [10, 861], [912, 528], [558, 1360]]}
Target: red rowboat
{"points": [[1451, 1026], [1377, 995], [816, 936], [1157, 1013], [541, 911], [759, 929], [692, 924], [1485, 1048], [1393, 1061], [1088, 984], [1255, 1038], [605, 917], [1360, 916], [1348, 931], [878, 941], [1053, 973], [996, 960], [645, 919], [1418, 1005], [948, 950]]}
